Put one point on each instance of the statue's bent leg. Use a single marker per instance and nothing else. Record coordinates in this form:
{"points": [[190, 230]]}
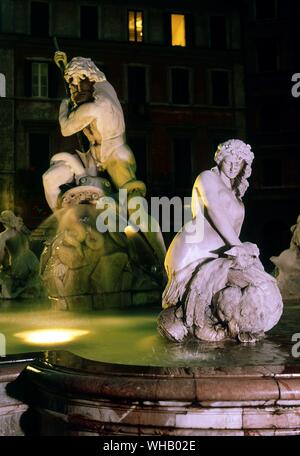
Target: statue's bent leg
{"points": [[64, 168]]}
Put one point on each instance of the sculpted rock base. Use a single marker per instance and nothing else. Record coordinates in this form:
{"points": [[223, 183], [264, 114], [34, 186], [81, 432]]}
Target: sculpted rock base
{"points": [[247, 304], [85, 269], [217, 287]]}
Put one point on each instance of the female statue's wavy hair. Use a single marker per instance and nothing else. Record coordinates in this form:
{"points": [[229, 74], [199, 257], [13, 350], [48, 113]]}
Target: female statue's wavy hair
{"points": [[236, 147], [12, 221]]}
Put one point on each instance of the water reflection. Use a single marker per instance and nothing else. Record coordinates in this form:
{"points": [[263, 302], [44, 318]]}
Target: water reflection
{"points": [[50, 336], [129, 336]]}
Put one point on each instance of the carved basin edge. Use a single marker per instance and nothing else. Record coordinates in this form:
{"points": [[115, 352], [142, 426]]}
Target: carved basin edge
{"points": [[67, 374]]}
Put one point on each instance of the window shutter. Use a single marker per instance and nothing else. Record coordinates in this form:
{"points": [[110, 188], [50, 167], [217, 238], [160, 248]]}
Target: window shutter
{"points": [[53, 81]]}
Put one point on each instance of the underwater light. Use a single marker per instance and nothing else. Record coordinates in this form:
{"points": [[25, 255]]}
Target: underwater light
{"points": [[51, 336], [130, 230]]}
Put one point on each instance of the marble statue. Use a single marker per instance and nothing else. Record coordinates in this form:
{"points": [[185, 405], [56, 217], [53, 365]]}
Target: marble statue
{"points": [[288, 266], [81, 266], [19, 267], [217, 287], [83, 269], [96, 111]]}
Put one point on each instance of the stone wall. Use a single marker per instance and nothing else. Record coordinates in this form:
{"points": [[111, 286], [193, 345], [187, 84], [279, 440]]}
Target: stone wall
{"points": [[11, 409]]}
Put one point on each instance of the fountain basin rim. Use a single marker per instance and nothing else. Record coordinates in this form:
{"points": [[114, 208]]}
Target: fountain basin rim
{"points": [[66, 373]]}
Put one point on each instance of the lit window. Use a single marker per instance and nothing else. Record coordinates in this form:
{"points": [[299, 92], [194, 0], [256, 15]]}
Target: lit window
{"points": [[178, 30], [2, 85], [39, 80], [135, 25]]}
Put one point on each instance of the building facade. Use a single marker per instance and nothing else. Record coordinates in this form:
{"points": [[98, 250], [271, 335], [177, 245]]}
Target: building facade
{"points": [[177, 67], [271, 46]]}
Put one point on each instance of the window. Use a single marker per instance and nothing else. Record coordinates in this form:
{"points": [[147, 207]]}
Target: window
{"points": [[138, 145], [39, 80], [220, 95], [42, 79], [2, 85], [180, 83], [218, 32], [267, 56], [39, 19], [265, 9], [135, 26], [136, 84], [89, 22], [178, 30], [182, 163]]}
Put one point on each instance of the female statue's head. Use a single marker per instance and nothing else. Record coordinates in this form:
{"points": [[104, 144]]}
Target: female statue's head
{"points": [[234, 158]]}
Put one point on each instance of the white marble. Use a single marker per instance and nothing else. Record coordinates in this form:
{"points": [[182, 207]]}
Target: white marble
{"points": [[230, 418], [19, 267], [95, 110], [217, 286], [288, 266]]}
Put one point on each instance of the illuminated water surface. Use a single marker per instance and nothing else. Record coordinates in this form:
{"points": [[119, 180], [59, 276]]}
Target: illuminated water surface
{"points": [[129, 336]]}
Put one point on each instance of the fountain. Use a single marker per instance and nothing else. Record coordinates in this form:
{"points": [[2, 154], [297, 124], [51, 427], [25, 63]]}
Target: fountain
{"points": [[106, 370], [19, 267], [287, 264], [217, 286]]}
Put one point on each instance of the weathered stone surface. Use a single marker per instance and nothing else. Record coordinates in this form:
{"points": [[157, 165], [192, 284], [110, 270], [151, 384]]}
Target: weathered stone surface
{"points": [[217, 286], [11, 408], [288, 267], [76, 396], [276, 418]]}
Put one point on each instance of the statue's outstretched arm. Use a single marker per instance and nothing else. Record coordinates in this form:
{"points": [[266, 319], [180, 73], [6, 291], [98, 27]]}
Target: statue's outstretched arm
{"points": [[77, 120]]}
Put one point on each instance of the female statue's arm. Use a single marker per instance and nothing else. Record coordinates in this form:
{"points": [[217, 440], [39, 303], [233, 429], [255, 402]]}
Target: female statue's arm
{"points": [[208, 188], [77, 120]]}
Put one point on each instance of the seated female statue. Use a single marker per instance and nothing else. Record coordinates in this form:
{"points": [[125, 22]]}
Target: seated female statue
{"points": [[217, 286]]}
